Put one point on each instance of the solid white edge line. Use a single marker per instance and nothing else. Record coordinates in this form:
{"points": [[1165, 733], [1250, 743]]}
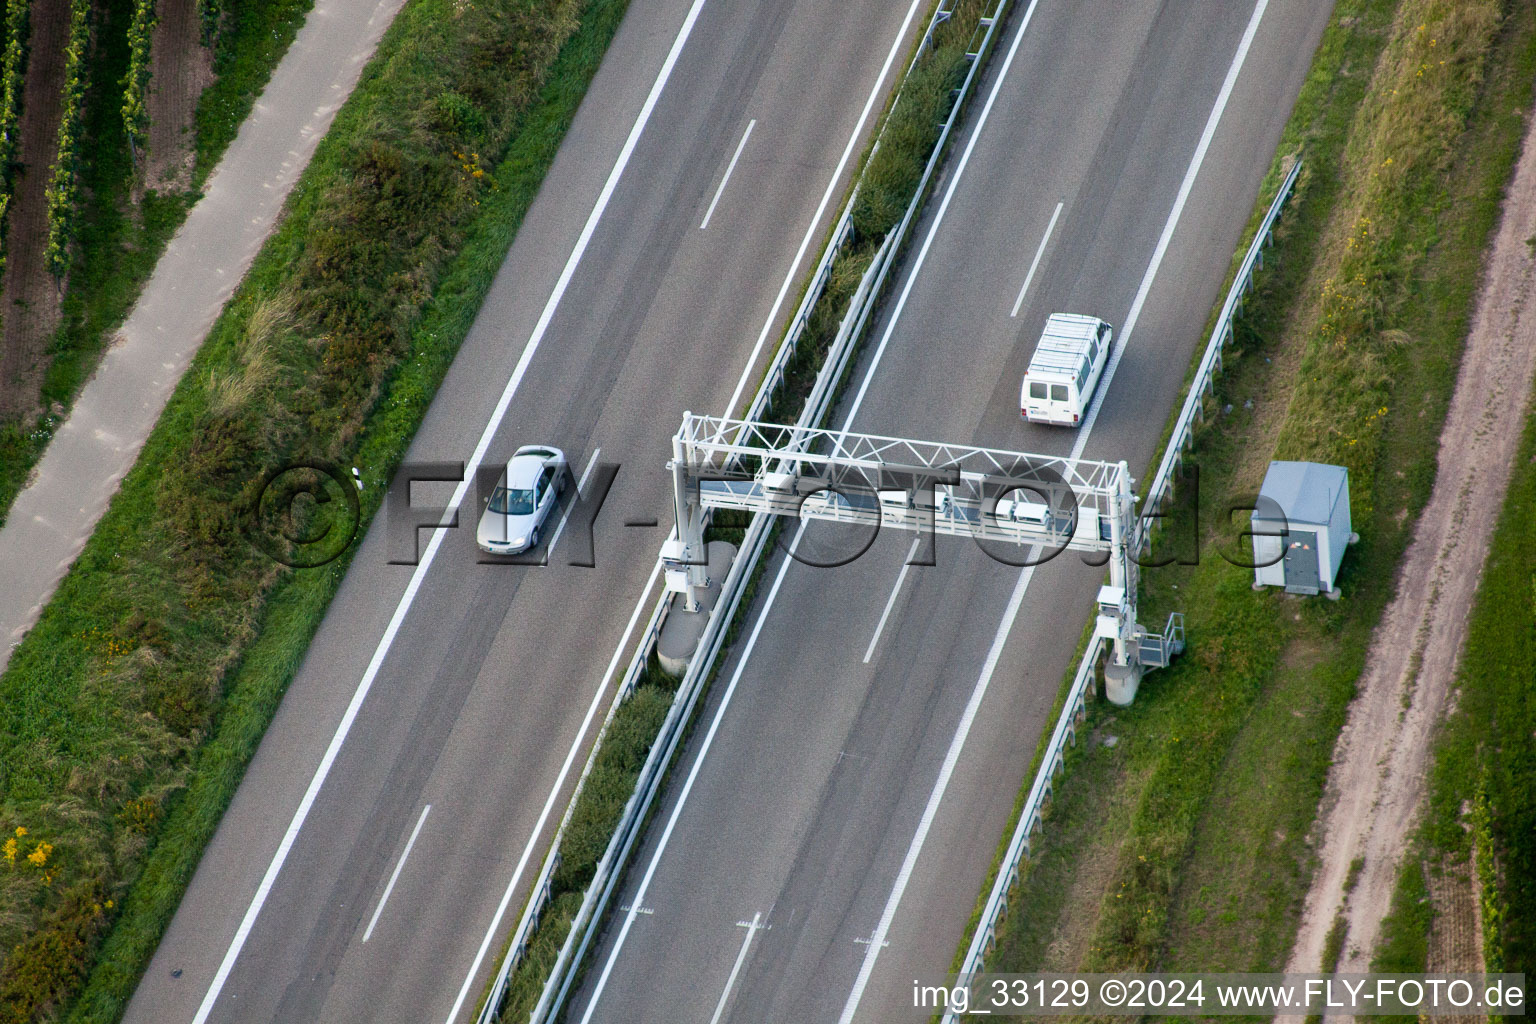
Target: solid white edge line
{"points": [[741, 958], [778, 580], [821, 208], [693, 774], [741, 383], [269, 878], [1035, 264], [1185, 188], [395, 874], [890, 602], [549, 803], [559, 529], [936, 797], [729, 168], [938, 218]]}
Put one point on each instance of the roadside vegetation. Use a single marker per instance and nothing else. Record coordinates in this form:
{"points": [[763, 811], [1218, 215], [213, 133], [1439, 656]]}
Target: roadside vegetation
{"points": [[620, 757], [110, 239], [12, 57], [63, 184], [1179, 838], [1482, 789], [128, 714]]}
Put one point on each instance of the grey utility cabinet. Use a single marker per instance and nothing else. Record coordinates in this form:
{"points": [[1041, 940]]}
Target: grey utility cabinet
{"points": [[1301, 527]]}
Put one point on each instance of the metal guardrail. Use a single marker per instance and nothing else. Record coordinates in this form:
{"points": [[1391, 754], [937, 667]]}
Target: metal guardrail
{"points": [[609, 867], [1076, 705], [541, 893], [816, 407], [1051, 765], [1210, 362], [779, 368]]}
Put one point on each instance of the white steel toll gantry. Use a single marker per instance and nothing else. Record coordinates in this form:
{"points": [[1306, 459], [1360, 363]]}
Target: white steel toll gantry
{"points": [[1024, 508]]}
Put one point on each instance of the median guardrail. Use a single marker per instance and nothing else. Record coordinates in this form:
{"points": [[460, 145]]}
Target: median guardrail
{"points": [[1075, 708], [818, 403]]}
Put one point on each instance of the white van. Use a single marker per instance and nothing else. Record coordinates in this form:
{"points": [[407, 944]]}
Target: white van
{"points": [[1065, 369]]}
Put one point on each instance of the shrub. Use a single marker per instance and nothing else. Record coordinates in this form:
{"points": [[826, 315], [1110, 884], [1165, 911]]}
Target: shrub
{"points": [[136, 81], [62, 179], [372, 227], [619, 760], [894, 169], [52, 958]]}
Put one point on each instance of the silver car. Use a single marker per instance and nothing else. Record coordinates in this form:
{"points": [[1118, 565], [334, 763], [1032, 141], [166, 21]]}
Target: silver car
{"points": [[527, 493]]}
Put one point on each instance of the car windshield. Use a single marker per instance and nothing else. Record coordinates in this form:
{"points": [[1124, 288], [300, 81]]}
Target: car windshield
{"points": [[512, 502]]}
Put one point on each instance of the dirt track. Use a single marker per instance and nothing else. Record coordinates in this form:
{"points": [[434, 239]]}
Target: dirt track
{"points": [[1376, 785], [180, 68]]}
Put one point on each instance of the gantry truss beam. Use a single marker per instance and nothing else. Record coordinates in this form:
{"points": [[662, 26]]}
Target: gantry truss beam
{"points": [[1041, 504], [958, 490]]}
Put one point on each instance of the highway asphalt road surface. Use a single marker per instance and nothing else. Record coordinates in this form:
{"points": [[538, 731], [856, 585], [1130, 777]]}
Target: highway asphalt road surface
{"points": [[826, 833], [382, 843]]}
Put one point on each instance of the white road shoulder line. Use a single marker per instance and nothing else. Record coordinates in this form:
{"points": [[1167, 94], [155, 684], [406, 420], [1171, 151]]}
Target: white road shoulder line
{"points": [[693, 775], [1035, 264], [1005, 628], [877, 941], [285, 846], [549, 803], [727, 176], [395, 874], [938, 218], [778, 579]]}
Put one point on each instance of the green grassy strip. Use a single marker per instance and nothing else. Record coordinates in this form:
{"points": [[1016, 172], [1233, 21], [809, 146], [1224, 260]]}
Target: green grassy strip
{"points": [[1096, 802], [1252, 858], [625, 746], [1488, 743], [106, 688], [1403, 947], [1491, 735], [298, 603], [120, 241], [888, 178], [1402, 148], [1200, 860]]}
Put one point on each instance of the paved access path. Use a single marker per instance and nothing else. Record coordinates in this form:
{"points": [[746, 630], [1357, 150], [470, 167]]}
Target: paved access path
{"points": [[94, 449]]}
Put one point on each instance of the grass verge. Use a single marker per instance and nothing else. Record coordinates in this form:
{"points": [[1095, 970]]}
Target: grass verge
{"points": [[119, 240], [132, 708], [1185, 845], [1484, 774]]}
